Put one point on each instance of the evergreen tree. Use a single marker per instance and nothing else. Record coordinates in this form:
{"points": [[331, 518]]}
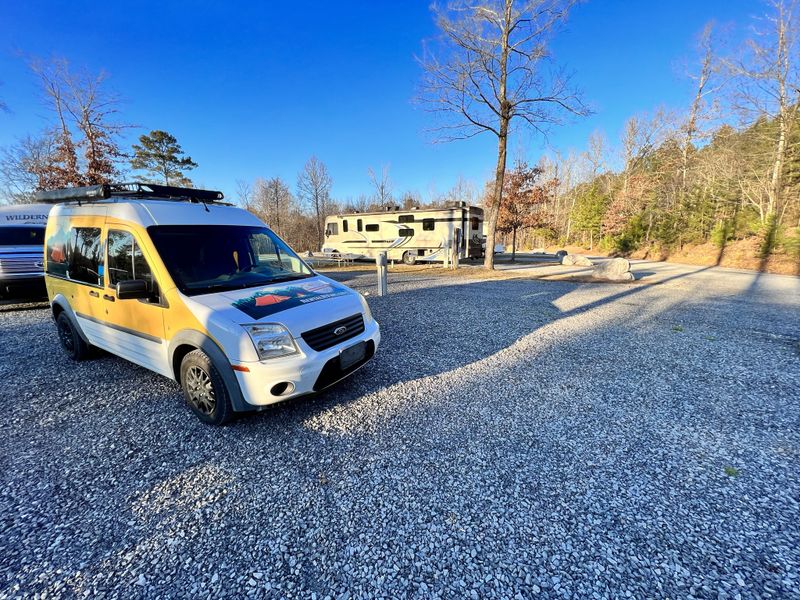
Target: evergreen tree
{"points": [[160, 154]]}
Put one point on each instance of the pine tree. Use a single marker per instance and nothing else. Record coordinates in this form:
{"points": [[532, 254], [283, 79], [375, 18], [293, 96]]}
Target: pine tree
{"points": [[160, 154]]}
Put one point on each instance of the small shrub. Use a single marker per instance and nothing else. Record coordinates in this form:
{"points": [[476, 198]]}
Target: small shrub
{"points": [[678, 328], [731, 471]]}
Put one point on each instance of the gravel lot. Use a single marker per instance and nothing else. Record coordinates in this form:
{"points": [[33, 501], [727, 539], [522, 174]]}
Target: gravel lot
{"points": [[511, 438]]}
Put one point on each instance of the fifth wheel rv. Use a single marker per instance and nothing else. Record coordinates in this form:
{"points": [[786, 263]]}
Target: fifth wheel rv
{"points": [[418, 234], [22, 250]]}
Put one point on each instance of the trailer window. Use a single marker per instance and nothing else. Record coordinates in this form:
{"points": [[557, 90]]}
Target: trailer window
{"points": [[406, 232], [373, 227], [427, 224], [359, 225], [21, 236], [476, 224], [344, 225], [333, 229], [405, 219]]}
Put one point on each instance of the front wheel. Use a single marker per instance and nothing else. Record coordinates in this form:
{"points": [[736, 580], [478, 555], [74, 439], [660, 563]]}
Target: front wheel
{"points": [[204, 390], [70, 339]]}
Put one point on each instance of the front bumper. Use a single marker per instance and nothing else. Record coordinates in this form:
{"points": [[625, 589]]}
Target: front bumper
{"points": [[307, 372]]}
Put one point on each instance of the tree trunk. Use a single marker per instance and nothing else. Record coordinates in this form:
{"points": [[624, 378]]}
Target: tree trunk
{"points": [[513, 244], [494, 209]]}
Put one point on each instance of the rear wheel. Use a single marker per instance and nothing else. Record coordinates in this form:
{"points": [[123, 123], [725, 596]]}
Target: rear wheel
{"points": [[409, 258], [204, 389], [70, 339]]}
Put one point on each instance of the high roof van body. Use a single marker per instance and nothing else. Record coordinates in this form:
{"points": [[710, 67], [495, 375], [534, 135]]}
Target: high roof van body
{"points": [[202, 293]]}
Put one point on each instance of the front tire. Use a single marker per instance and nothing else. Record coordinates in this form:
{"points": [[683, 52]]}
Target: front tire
{"points": [[204, 389], [71, 339]]}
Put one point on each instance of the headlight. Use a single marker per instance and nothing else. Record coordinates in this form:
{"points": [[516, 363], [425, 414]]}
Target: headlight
{"points": [[365, 306], [271, 340]]}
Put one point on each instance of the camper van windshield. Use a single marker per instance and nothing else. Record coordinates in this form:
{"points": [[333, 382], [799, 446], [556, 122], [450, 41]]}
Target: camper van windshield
{"points": [[21, 236], [215, 258]]}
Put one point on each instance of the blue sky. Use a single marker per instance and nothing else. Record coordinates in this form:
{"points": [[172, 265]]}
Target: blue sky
{"points": [[255, 88]]}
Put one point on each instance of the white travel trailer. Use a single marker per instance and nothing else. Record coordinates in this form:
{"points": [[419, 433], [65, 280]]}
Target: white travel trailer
{"points": [[418, 234], [22, 249]]}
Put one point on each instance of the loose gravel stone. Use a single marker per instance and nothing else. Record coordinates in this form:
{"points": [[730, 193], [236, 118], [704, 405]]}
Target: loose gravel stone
{"points": [[511, 439]]}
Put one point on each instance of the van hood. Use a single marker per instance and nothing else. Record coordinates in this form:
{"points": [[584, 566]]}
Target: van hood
{"points": [[299, 305]]}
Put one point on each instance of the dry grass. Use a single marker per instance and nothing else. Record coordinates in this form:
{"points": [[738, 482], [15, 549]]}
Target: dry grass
{"points": [[740, 254]]}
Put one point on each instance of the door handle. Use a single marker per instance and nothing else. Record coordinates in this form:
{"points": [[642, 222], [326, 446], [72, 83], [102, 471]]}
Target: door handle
{"points": [[108, 297], [94, 294]]}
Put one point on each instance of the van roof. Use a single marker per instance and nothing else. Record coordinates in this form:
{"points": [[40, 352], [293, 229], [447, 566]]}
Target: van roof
{"points": [[155, 211]]}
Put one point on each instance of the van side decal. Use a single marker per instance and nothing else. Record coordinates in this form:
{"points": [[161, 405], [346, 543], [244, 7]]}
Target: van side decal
{"points": [[276, 299]]}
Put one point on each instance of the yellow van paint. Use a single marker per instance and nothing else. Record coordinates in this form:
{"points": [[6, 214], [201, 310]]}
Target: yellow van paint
{"points": [[160, 321]]}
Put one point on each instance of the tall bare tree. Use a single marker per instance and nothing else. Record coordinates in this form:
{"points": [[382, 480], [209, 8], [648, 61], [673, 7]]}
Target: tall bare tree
{"points": [[769, 86], [53, 77], [314, 190], [704, 87], [382, 185], [272, 201], [491, 70]]}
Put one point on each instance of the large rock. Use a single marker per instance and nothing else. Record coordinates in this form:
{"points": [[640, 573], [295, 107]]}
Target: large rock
{"points": [[616, 269], [576, 260]]}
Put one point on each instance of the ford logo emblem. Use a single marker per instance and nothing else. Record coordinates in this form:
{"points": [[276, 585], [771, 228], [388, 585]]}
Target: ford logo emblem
{"points": [[339, 330]]}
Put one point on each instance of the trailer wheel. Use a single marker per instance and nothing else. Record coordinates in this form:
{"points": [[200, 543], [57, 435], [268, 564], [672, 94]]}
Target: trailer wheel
{"points": [[409, 258]]}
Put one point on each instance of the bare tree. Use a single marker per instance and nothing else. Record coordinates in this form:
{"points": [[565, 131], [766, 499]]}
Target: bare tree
{"points": [[703, 89], [491, 71], [769, 86], [273, 201], [382, 185], [64, 171], [26, 167], [244, 193], [314, 190], [85, 110]]}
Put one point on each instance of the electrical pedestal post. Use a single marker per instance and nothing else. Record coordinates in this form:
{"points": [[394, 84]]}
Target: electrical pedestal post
{"points": [[381, 261]]}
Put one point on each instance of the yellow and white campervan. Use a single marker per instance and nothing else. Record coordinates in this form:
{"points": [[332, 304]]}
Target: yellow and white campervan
{"points": [[199, 291]]}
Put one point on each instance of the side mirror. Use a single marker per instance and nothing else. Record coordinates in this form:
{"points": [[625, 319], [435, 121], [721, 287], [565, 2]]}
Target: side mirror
{"points": [[132, 289]]}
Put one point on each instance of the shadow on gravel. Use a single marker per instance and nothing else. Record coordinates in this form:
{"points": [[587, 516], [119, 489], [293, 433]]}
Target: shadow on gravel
{"points": [[130, 475], [428, 331]]}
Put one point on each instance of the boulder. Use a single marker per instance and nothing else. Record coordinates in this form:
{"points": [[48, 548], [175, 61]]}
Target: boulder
{"points": [[616, 269], [576, 260]]}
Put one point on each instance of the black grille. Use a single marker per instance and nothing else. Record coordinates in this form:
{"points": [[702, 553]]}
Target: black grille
{"points": [[333, 372], [324, 337]]}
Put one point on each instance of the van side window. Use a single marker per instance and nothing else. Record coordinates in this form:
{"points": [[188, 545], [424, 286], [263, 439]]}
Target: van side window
{"points": [[427, 224], [126, 261], [56, 253], [359, 225], [373, 227], [85, 255], [344, 225], [405, 219]]}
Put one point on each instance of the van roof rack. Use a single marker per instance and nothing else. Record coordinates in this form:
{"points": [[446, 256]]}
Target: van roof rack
{"points": [[104, 191]]}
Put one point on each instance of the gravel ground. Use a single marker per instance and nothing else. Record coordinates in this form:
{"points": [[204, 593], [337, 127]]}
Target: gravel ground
{"points": [[510, 439]]}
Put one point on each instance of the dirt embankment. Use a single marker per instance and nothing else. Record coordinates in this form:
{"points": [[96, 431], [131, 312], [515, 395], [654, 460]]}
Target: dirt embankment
{"points": [[741, 254]]}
